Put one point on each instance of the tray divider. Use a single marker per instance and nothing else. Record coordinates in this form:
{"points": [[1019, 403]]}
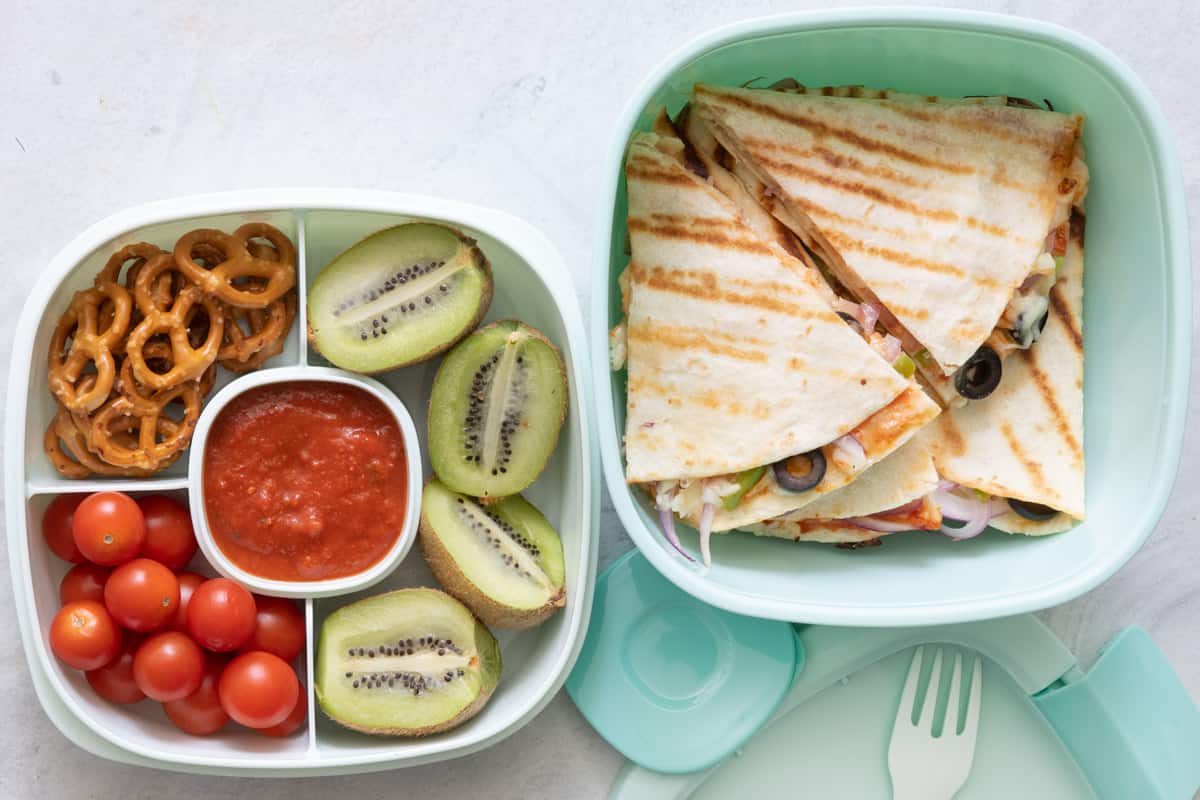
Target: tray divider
{"points": [[310, 647], [89, 485], [302, 284]]}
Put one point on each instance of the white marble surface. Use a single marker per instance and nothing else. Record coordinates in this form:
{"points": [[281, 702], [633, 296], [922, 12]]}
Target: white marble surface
{"points": [[507, 107]]}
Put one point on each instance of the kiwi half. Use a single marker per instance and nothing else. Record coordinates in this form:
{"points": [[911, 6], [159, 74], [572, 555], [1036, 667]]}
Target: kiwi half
{"points": [[497, 405], [406, 663], [504, 559], [398, 297]]}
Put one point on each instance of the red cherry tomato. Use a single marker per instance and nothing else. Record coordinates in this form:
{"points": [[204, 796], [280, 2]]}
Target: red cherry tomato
{"points": [[83, 582], [259, 690], [221, 615], [114, 681], [188, 581], [279, 628], [168, 666], [142, 595], [294, 721], [109, 528], [56, 527], [169, 537], [200, 713], [84, 636]]}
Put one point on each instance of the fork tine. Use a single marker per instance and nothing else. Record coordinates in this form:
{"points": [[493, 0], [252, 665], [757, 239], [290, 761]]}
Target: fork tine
{"points": [[908, 698], [925, 721], [975, 700], [950, 726]]}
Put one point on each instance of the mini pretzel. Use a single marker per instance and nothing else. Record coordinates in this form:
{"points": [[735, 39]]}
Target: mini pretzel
{"points": [[188, 361], [238, 262], [245, 349], [81, 338], [158, 358], [76, 461], [158, 436]]}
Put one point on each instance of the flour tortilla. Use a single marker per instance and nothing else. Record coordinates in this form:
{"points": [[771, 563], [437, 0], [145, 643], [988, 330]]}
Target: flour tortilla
{"points": [[937, 211], [734, 358], [906, 475], [1025, 440]]}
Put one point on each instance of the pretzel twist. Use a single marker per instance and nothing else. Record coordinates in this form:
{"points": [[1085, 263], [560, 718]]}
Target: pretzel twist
{"points": [[158, 437], [238, 261]]}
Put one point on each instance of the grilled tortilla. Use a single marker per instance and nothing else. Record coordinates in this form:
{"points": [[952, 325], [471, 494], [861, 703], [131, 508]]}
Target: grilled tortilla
{"points": [[938, 212], [1025, 441], [734, 360], [899, 484]]}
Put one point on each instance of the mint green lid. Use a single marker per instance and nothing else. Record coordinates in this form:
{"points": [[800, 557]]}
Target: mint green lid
{"points": [[675, 684], [1129, 723]]}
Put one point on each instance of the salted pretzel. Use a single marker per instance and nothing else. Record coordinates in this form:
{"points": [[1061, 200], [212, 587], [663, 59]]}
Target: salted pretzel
{"points": [[158, 357], [188, 361], [75, 460], [157, 436], [238, 261], [252, 336], [81, 339]]}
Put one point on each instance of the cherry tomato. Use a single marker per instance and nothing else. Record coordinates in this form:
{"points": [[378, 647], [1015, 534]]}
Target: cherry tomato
{"points": [[109, 528], [114, 681], [279, 628], [200, 713], [142, 595], [294, 721], [188, 581], [84, 636], [169, 537], [83, 582], [168, 666], [221, 615], [259, 690], [56, 527]]}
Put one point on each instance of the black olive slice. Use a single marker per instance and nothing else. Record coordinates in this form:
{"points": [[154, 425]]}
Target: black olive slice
{"points": [[980, 376], [1034, 511], [851, 321], [800, 472]]}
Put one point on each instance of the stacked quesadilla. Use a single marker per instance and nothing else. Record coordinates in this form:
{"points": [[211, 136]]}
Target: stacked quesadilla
{"points": [[942, 218], [747, 396], [810, 271]]}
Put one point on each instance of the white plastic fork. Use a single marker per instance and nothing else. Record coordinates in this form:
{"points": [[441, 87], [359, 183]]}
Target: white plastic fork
{"points": [[924, 767]]}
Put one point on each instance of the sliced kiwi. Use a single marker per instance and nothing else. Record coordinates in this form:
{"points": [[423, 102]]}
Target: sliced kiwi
{"points": [[398, 297], [497, 405], [406, 663], [504, 559]]}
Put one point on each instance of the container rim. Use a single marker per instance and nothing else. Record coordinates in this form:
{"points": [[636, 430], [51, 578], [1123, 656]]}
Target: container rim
{"points": [[1177, 344]]}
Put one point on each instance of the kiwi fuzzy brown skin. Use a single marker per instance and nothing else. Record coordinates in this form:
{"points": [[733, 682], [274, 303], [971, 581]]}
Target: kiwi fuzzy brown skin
{"points": [[485, 302], [452, 579], [561, 414]]}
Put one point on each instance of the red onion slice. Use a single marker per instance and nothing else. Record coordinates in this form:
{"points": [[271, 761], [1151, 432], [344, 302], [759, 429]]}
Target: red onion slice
{"points": [[975, 514], [868, 316], [851, 450], [878, 525], [667, 520]]}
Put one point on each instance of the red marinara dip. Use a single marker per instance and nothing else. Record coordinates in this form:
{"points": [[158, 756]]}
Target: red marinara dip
{"points": [[305, 481]]}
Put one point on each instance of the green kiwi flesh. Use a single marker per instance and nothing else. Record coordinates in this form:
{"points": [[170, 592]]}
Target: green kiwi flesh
{"points": [[497, 405], [405, 663], [398, 297], [503, 559]]}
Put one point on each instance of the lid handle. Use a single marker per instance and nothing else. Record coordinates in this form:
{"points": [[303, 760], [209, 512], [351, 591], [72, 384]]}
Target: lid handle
{"points": [[1129, 722]]}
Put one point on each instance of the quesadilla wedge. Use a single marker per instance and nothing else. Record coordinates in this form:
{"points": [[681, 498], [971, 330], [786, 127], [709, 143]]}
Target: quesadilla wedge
{"points": [[1022, 447], [941, 219], [892, 496], [747, 396]]}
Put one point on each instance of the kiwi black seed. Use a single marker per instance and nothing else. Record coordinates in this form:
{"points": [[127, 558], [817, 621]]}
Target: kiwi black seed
{"points": [[398, 297], [496, 409], [405, 663]]}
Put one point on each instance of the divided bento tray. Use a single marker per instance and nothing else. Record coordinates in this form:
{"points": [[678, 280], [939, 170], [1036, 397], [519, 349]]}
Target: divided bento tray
{"points": [[531, 283]]}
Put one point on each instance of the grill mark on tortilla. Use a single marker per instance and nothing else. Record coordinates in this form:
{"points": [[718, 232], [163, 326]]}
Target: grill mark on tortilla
{"points": [[659, 278], [876, 193], [843, 161], [847, 243], [650, 174], [818, 128], [814, 209], [1032, 467], [1046, 390], [1061, 310], [684, 337], [685, 219], [989, 121], [955, 443], [705, 236]]}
